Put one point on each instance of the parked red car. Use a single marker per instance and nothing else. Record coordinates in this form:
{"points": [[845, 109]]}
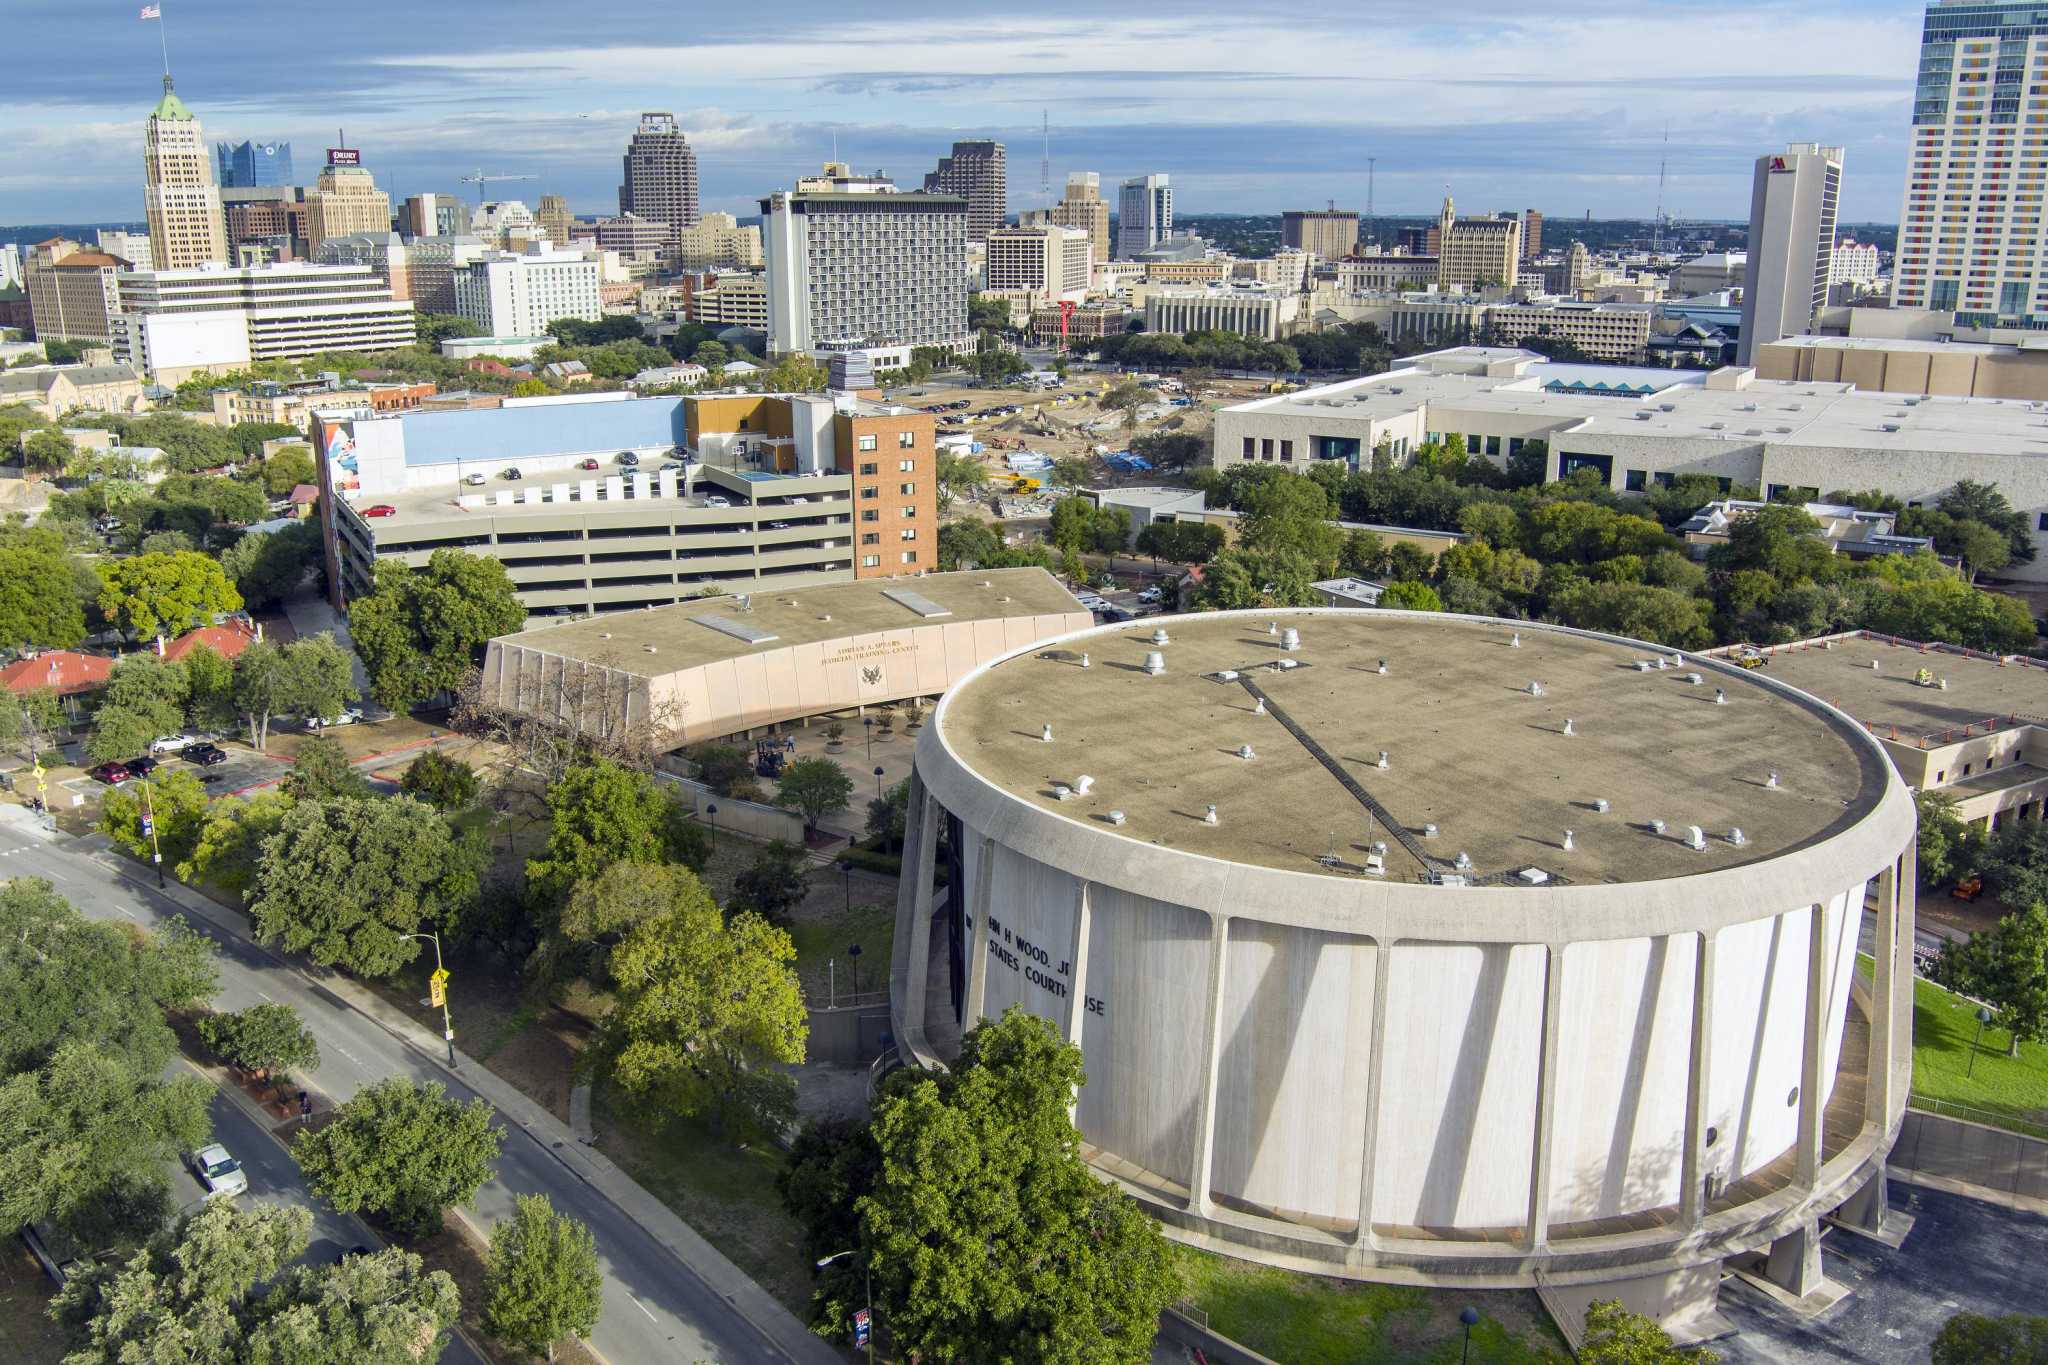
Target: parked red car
{"points": [[588, 464], [382, 509], [113, 774]]}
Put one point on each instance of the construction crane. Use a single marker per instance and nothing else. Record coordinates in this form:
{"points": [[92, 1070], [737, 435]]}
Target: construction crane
{"points": [[480, 178]]}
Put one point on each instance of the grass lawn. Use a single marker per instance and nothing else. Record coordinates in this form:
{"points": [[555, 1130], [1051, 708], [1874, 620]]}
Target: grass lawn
{"points": [[31, 1338], [819, 941], [2007, 1092], [1309, 1320], [725, 1192]]}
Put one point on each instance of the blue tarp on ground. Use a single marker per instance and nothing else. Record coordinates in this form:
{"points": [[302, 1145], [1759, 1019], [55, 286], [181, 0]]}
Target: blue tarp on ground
{"points": [[1129, 463]]}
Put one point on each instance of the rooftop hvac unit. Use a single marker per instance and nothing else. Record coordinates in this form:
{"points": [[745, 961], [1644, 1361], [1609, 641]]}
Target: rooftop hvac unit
{"points": [[1668, 407], [1644, 416], [1888, 426]]}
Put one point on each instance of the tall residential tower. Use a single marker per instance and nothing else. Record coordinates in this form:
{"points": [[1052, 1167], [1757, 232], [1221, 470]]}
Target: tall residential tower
{"points": [[1969, 231], [661, 173], [1791, 243], [977, 172], [180, 198]]}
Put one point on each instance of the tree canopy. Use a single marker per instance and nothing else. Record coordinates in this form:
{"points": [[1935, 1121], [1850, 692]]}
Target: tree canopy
{"points": [[400, 1150], [421, 630], [543, 1281], [816, 786], [165, 594], [602, 812]]}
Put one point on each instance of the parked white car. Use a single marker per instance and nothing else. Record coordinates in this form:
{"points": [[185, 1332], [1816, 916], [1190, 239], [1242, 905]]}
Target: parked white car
{"points": [[218, 1171], [473, 480], [349, 716], [174, 744], [1149, 595]]}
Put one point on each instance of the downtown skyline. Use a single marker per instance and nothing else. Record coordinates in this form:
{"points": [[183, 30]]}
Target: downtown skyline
{"points": [[1481, 105]]}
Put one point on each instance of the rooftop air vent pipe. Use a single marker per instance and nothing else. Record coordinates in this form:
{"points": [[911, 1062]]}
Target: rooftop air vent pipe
{"points": [[1116, 817], [1155, 663], [1045, 735], [1209, 815], [1082, 784], [1695, 837], [1290, 639]]}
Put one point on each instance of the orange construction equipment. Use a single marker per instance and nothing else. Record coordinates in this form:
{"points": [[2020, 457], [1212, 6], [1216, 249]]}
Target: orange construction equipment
{"points": [[1968, 889]]}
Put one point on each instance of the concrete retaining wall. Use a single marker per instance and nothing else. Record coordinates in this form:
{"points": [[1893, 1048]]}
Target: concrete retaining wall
{"points": [[1972, 1153], [852, 1035], [750, 818]]}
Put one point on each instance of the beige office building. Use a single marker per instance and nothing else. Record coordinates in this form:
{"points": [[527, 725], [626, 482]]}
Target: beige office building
{"points": [[1953, 369], [1328, 233], [1039, 262], [717, 242], [180, 198], [1474, 251], [1604, 333], [733, 301], [555, 219], [1084, 207], [72, 292], [344, 200]]}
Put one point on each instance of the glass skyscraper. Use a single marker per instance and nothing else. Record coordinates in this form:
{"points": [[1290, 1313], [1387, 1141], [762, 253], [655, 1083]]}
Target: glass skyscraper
{"points": [[245, 164]]}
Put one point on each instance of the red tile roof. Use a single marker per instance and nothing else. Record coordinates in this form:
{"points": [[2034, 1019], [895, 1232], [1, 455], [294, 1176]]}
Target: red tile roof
{"points": [[65, 670], [228, 641], [304, 494]]}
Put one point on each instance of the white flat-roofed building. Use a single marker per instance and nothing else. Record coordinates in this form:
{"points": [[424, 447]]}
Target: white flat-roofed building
{"points": [[1602, 331], [1044, 263], [1258, 311], [519, 295], [864, 264], [1639, 427], [213, 317]]}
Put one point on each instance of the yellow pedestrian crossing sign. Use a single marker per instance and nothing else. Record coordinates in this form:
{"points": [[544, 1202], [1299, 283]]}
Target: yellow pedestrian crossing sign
{"points": [[437, 987]]}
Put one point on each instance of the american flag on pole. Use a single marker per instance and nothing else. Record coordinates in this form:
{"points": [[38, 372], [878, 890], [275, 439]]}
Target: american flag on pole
{"points": [[152, 11]]}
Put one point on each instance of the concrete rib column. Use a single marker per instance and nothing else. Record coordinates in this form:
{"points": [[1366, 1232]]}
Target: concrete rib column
{"points": [[1375, 1068], [1807, 1145], [914, 893], [1699, 1079], [1543, 1149], [1902, 1016], [1077, 960], [1212, 1049], [1884, 952], [977, 906]]}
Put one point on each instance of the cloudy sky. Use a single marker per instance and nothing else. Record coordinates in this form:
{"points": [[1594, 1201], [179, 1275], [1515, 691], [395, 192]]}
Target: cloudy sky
{"points": [[1248, 107]]}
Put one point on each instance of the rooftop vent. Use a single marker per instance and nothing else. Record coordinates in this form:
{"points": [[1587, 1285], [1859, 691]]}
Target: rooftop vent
{"points": [[1061, 791], [1116, 817], [1155, 663], [1737, 837], [917, 602], [1567, 844], [1536, 876], [739, 630], [1535, 688], [746, 601], [1209, 815], [650, 649], [1695, 837], [1160, 637], [1656, 826], [1888, 426], [604, 635], [1284, 664], [1644, 416], [1244, 751], [1082, 784], [1717, 426], [1668, 407], [1383, 759], [1290, 639], [1045, 735], [1429, 831], [1600, 804], [1771, 782]]}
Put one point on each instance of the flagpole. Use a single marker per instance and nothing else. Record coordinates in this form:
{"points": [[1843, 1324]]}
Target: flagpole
{"points": [[163, 43]]}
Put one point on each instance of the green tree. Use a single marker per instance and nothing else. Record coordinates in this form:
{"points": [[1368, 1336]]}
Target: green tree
{"points": [[1950, 847], [47, 451], [728, 769], [1411, 596], [986, 312], [286, 469], [188, 446], [1658, 615], [601, 909], [209, 689], [444, 782], [1615, 1336], [2006, 968], [1493, 523], [313, 676], [774, 883], [267, 1037], [345, 880], [703, 1012], [228, 851], [165, 594], [1290, 515], [39, 600], [1072, 527], [403, 1151], [959, 476], [531, 388], [2015, 863], [1974, 1339], [967, 544], [30, 718], [1950, 610], [421, 630], [380, 1309], [1124, 400], [602, 813], [266, 567], [543, 1281], [179, 803], [1982, 548], [986, 1234], [322, 771], [889, 816], [816, 786]]}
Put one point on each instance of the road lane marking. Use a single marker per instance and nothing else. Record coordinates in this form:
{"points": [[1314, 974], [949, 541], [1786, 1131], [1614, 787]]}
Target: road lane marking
{"points": [[643, 1308]]}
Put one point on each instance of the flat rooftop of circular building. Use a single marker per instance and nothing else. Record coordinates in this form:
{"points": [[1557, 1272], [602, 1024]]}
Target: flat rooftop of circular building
{"points": [[1470, 748]]}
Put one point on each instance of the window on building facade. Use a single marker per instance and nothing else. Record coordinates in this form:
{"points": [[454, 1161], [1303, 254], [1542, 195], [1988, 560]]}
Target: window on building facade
{"points": [[907, 533], [1635, 481], [908, 490], [871, 561], [907, 440], [1251, 448], [870, 468], [871, 537], [871, 514], [870, 492], [910, 556], [867, 442], [1287, 450], [907, 513], [905, 466]]}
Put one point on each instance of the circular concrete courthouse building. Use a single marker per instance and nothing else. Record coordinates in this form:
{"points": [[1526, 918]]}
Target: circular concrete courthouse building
{"points": [[1429, 948]]}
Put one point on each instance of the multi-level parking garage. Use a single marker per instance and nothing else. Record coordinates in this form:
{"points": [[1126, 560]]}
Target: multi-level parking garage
{"points": [[1426, 948]]}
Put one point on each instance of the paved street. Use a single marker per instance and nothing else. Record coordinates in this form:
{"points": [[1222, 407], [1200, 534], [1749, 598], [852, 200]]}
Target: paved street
{"points": [[659, 1305]]}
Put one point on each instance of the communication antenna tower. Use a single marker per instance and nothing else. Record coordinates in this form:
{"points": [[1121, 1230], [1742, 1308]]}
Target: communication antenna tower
{"points": [[1371, 227], [1045, 159], [1657, 226]]}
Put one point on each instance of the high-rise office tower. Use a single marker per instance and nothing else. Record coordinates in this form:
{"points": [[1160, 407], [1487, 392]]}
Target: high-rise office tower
{"points": [[555, 219], [661, 173], [1473, 253], [180, 198], [1144, 215], [1532, 234], [1969, 232], [433, 215], [344, 200], [978, 173], [1328, 233], [244, 165], [1791, 243], [1084, 207], [853, 261]]}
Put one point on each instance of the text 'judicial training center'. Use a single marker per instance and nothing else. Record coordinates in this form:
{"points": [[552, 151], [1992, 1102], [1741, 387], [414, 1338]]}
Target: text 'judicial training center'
{"points": [[1426, 948]]}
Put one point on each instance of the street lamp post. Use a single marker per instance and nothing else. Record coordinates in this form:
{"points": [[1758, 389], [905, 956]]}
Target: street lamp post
{"points": [[711, 816], [156, 852], [867, 723], [1470, 1317], [440, 981], [870, 1272], [1983, 1018], [853, 956], [878, 782], [846, 882]]}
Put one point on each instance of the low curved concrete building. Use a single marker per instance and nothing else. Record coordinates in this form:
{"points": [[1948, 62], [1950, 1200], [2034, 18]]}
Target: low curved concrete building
{"points": [[1427, 948]]}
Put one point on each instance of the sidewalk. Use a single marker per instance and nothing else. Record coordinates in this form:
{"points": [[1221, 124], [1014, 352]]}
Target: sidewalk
{"points": [[594, 1170]]}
